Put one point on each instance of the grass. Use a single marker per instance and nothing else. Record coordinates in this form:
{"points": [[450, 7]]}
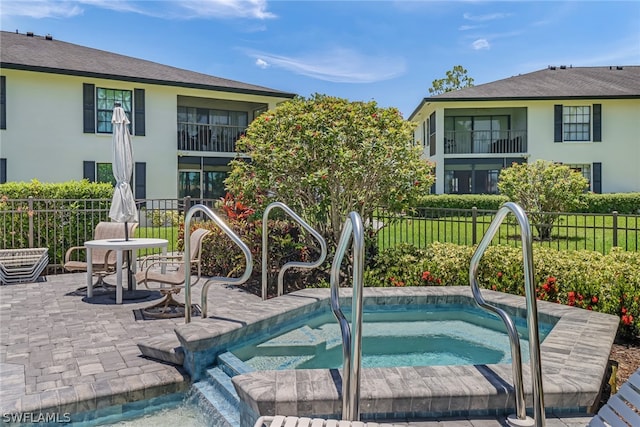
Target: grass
{"points": [[161, 232], [570, 232]]}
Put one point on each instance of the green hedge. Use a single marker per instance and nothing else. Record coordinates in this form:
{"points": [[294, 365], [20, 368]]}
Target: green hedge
{"points": [[605, 283], [60, 212], [65, 190], [623, 203]]}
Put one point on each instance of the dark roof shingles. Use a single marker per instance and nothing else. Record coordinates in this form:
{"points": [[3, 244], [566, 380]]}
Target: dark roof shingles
{"points": [[571, 82], [38, 53]]}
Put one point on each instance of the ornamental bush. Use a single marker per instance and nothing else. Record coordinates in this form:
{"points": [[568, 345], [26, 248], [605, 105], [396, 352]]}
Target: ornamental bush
{"points": [[325, 157], [542, 187]]}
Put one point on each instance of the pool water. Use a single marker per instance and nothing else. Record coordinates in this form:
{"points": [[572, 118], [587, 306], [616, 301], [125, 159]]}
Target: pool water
{"points": [[423, 336]]}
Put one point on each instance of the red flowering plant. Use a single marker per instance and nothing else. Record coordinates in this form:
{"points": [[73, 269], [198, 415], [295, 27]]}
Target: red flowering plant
{"points": [[234, 208], [625, 303], [429, 279], [548, 291]]}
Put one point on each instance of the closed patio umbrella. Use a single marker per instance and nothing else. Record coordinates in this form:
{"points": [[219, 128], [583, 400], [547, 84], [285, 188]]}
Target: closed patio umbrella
{"points": [[123, 206]]}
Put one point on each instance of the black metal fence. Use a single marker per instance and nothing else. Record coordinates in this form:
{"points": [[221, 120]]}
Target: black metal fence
{"points": [[569, 231], [59, 224]]}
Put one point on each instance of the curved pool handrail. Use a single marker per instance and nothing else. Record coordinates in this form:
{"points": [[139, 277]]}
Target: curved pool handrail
{"points": [[351, 348], [291, 264], [187, 251], [532, 312]]}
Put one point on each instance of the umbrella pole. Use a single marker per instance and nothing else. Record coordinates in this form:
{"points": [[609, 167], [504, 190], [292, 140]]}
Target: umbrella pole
{"points": [[129, 272]]}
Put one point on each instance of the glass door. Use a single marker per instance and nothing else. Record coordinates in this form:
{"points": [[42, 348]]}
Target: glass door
{"points": [[189, 184]]}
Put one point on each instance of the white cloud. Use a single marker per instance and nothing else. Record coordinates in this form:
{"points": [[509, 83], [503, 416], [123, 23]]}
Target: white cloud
{"points": [[338, 65], [168, 9], [481, 44], [40, 9], [482, 18], [256, 9], [262, 63]]}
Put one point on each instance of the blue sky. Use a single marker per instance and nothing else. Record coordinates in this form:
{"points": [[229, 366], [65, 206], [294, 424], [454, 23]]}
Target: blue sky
{"points": [[387, 51]]}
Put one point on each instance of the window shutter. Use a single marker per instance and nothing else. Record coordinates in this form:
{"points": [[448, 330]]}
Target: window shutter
{"points": [[3, 171], [138, 114], [89, 107], [596, 184], [3, 102], [140, 174], [432, 134], [557, 123], [89, 170], [597, 122]]}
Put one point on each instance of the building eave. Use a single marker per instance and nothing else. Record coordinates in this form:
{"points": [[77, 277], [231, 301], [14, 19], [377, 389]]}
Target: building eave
{"points": [[106, 76]]}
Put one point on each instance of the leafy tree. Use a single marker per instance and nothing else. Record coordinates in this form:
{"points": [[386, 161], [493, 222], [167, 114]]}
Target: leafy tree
{"points": [[543, 187], [325, 157], [457, 78]]}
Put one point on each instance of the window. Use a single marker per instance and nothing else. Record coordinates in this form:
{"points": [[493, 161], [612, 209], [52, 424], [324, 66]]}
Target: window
{"points": [[576, 123], [104, 173], [107, 98], [584, 169]]}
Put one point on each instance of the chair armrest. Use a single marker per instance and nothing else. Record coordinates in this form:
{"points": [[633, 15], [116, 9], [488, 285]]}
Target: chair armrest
{"points": [[67, 255], [156, 258]]}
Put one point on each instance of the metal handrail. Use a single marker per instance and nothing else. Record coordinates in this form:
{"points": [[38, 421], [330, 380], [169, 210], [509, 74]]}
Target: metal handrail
{"points": [[351, 348], [265, 239], [532, 315], [187, 253]]}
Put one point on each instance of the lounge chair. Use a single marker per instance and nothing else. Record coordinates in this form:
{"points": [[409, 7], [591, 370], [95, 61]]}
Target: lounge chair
{"points": [[104, 261], [623, 408], [169, 307], [282, 421]]}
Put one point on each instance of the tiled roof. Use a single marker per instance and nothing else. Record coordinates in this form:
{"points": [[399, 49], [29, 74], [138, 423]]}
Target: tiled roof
{"points": [[557, 83], [45, 54]]}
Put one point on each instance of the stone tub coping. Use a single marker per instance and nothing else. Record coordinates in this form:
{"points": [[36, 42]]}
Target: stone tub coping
{"points": [[574, 359]]}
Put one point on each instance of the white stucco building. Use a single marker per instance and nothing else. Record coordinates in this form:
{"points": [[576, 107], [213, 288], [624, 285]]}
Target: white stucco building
{"points": [[55, 117], [584, 117]]}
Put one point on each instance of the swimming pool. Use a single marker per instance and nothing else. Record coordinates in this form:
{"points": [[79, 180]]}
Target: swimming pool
{"points": [[417, 335]]}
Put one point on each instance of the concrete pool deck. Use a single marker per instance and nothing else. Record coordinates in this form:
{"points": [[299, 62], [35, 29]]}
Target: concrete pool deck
{"points": [[62, 354]]}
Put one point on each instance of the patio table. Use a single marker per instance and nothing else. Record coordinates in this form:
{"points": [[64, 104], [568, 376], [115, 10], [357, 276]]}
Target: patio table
{"points": [[119, 245]]}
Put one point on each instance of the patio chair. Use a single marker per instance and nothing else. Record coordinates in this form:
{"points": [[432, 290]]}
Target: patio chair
{"points": [[104, 261], [169, 307]]}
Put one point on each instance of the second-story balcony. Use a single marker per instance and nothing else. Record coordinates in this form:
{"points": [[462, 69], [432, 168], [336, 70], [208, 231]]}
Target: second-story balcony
{"points": [[485, 142], [210, 138]]}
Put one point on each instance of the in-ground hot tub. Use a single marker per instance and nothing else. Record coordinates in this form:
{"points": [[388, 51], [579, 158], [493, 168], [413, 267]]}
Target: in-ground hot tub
{"points": [[574, 360]]}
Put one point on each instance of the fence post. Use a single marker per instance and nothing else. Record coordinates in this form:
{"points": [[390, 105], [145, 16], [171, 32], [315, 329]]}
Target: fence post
{"points": [[186, 204], [30, 215], [474, 223], [615, 228]]}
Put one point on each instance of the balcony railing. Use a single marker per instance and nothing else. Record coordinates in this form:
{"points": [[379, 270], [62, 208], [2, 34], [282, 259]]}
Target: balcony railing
{"points": [[213, 138], [485, 142]]}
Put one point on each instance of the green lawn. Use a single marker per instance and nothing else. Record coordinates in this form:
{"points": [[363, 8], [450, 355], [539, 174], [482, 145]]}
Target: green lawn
{"points": [[570, 232]]}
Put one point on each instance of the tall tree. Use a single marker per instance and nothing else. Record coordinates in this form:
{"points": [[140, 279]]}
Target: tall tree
{"points": [[325, 157], [457, 78]]}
